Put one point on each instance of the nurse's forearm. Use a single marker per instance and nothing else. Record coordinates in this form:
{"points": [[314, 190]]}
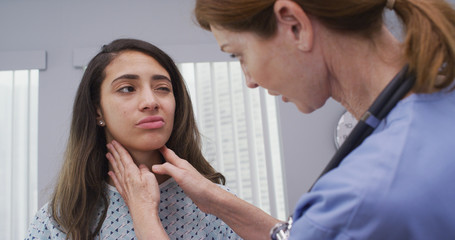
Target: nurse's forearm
{"points": [[248, 221]]}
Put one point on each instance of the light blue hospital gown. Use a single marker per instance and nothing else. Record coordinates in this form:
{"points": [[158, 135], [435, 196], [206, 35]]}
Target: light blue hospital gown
{"points": [[180, 217]]}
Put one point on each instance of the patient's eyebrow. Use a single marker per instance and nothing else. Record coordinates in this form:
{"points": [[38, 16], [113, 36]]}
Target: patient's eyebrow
{"points": [[160, 77], [126, 76], [136, 77]]}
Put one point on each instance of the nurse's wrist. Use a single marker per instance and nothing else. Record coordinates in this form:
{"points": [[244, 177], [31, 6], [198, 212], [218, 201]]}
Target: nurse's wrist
{"points": [[213, 199]]}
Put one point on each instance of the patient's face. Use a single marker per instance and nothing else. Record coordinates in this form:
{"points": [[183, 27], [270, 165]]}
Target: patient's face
{"points": [[137, 102]]}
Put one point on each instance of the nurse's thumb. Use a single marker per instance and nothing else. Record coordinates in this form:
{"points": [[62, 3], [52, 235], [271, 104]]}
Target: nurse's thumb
{"points": [[167, 169]]}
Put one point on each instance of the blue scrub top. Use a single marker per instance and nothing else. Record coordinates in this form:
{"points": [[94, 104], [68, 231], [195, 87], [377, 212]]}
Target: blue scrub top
{"points": [[398, 184]]}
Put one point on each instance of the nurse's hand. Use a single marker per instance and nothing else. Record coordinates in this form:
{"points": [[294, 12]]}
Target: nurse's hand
{"points": [[140, 191], [248, 221], [201, 190]]}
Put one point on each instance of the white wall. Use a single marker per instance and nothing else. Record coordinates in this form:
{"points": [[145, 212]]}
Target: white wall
{"points": [[65, 28], [308, 145]]}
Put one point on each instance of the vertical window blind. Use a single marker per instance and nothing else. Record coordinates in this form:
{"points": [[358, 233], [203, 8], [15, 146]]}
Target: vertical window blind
{"points": [[240, 132], [18, 151]]}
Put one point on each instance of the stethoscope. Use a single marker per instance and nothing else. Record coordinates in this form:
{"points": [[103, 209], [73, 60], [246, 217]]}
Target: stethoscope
{"points": [[400, 85]]}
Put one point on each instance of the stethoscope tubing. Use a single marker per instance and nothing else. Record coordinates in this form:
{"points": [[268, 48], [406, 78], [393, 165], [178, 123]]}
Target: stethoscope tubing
{"points": [[398, 88]]}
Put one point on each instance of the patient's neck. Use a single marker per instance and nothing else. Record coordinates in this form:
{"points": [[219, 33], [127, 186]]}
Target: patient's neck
{"points": [[148, 159]]}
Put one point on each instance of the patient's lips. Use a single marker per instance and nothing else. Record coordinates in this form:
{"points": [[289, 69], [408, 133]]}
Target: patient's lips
{"points": [[151, 122]]}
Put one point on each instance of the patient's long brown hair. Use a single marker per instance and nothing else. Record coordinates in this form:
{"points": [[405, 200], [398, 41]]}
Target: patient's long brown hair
{"points": [[80, 189]]}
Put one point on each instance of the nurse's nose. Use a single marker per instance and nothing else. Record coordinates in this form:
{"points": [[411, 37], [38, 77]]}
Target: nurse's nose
{"points": [[250, 83], [148, 101], [248, 79]]}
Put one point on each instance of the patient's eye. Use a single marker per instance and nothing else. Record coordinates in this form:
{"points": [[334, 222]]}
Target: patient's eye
{"points": [[164, 89], [126, 89]]}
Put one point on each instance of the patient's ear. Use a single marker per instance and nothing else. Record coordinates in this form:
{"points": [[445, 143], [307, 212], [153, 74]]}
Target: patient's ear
{"points": [[99, 117]]}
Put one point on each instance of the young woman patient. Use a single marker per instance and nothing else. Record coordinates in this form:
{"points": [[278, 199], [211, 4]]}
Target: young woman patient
{"points": [[131, 94]]}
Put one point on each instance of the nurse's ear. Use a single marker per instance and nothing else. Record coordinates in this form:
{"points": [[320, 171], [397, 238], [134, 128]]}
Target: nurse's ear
{"points": [[294, 23]]}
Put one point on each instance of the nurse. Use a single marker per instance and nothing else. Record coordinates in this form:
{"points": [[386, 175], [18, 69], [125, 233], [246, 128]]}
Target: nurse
{"points": [[398, 183]]}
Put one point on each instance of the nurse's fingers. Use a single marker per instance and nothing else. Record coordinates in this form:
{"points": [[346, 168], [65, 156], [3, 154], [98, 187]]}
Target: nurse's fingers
{"points": [[116, 159], [174, 166], [172, 158], [113, 163], [125, 157], [116, 182], [168, 169], [194, 184], [116, 175], [146, 174]]}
